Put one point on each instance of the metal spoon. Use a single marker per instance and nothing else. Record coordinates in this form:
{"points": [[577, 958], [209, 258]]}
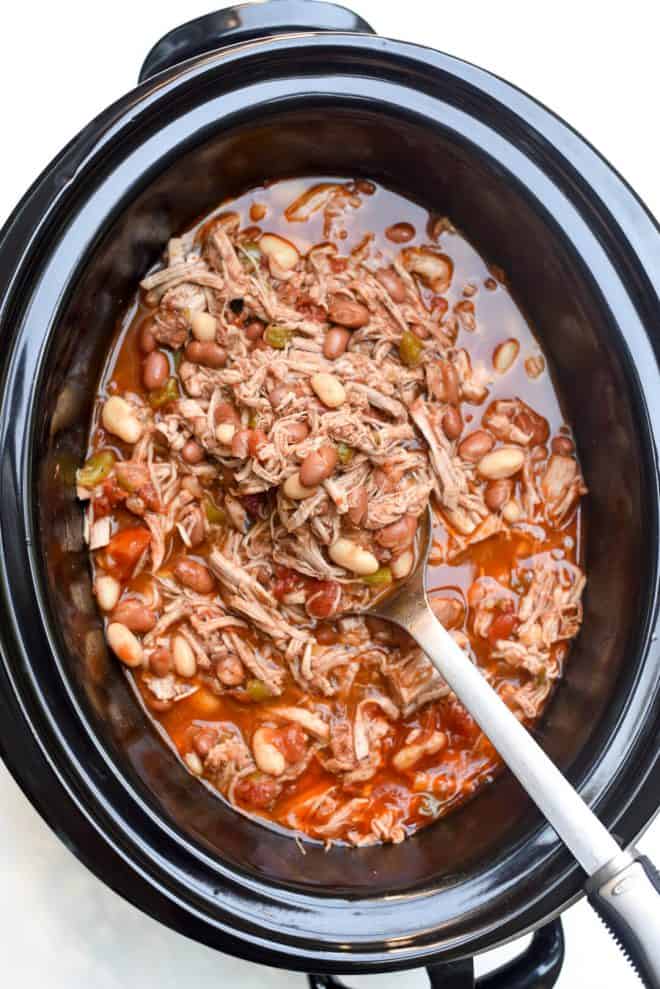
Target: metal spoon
{"points": [[623, 886]]}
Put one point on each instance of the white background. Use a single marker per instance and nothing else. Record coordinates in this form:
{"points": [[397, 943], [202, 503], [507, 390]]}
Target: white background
{"points": [[594, 63]]}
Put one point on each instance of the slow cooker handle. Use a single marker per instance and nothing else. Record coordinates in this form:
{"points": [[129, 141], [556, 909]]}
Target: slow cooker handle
{"points": [[245, 22], [538, 966]]}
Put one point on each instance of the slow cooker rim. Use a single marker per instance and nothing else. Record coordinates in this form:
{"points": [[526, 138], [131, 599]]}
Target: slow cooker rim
{"points": [[39, 183]]}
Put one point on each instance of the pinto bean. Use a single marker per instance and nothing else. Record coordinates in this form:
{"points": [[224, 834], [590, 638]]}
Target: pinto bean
{"points": [[226, 412], [254, 330], [196, 531], [160, 662], [450, 382], [206, 353], [279, 250], [348, 313], [358, 502], [400, 233], [204, 741], [475, 446], [294, 489], [155, 370], [195, 576], [134, 615], [399, 535], [335, 342], [317, 466], [296, 432], [192, 452], [146, 338], [452, 423], [240, 443], [497, 494], [392, 283], [124, 644], [230, 671]]}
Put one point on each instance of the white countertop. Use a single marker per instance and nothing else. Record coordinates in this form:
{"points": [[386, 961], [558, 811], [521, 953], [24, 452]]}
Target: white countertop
{"points": [[61, 927]]}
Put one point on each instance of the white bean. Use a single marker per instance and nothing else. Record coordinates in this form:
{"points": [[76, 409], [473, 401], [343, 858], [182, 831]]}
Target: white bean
{"points": [[512, 511], [203, 326], [329, 389], [119, 418], [194, 763], [349, 555], [295, 490], [504, 462], [225, 433], [185, 663], [402, 565], [406, 757], [279, 250], [107, 591], [124, 644], [267, 756], [505, 354]]}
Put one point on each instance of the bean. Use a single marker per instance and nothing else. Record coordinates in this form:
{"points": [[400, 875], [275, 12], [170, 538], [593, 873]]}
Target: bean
{"points": [[345, 553], [400, 233], [535, 366], [335, 342], [192, 452], [329, 389], [497, 494], [155, 370], [504, 462], [279, 250], [196, 531], [147, 340], [204, 741], [392, 283], [194, 763], [452, 423], [204, 327], [134, 615], [347, 312], [257, 212], [124, 644], [398, 535], [512, 511], [119, 419], [563, 446], [254, 330], [317, 466], [224, 433], [505, 354], [226, 412], [230, 671], [357, 505], [107, 591], [450, 382], [402, 565], [207, 354], [296, 432], [267, 756], [475, 446], [294, 489], [160, 662], [434, 269], [240, 443], [194, 575], [185, 663]]}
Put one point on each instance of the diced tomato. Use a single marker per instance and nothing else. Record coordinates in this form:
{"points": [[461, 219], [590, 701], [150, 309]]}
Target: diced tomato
{"points": [[124, 550], [256, 440], [502, 627], [338, 265], [323, 597], [459, 722], [258, 790], [292, 743], [287, 580]]}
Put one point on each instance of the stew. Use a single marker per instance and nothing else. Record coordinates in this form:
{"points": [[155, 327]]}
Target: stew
{"points": [[305, 371]]}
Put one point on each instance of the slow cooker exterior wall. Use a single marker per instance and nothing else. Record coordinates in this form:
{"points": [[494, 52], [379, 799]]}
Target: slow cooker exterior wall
{"points": [[85, 270]]}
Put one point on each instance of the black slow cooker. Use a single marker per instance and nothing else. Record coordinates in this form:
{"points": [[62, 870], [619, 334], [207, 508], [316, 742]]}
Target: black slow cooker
{"points": [[225, 102]]}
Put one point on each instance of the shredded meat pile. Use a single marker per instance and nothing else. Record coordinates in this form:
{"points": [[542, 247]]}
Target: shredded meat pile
{"points": [[275, 482]]}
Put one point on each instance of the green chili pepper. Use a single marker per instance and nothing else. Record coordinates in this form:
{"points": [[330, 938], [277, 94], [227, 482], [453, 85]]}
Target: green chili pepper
{"points": [[177, 357], [253, 420], [95, 469], [250, 253], [168, 393], [344, 453], [258, 691], [214, 514], [410, 349], [277, 336], [381, 578]]}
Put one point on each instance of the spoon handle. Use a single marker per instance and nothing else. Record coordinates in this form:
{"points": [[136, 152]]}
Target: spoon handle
{"points": [[624, 892]]}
